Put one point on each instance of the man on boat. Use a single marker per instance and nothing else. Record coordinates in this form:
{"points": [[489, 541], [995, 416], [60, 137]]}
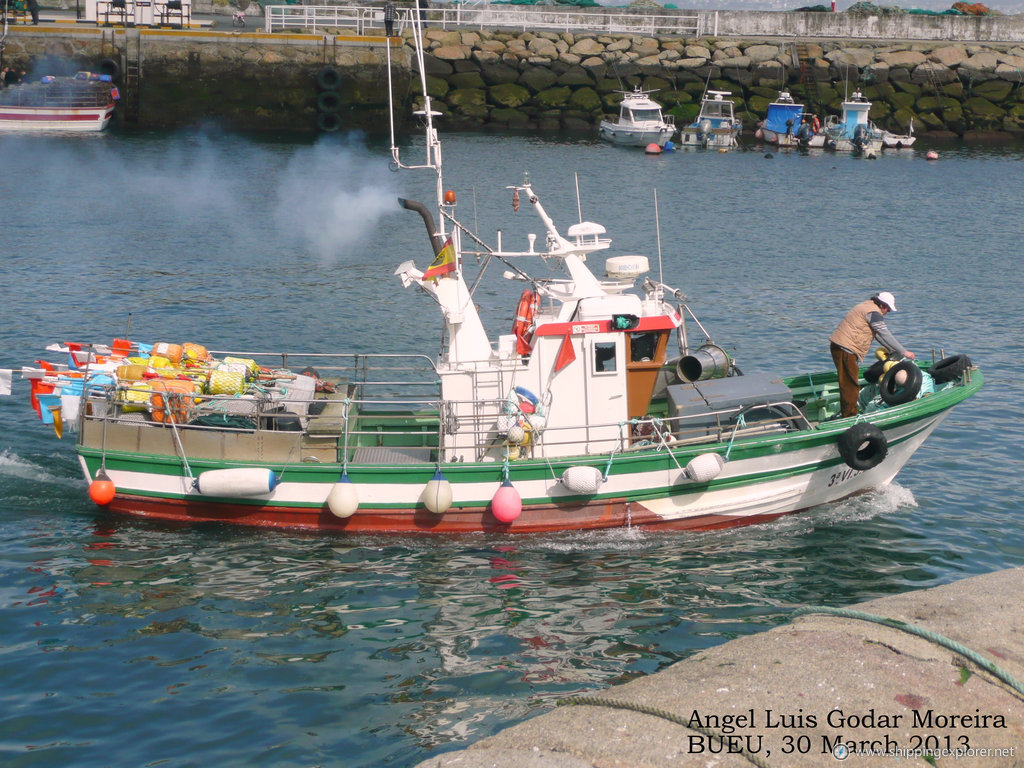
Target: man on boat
{"points": [[851, 341]]}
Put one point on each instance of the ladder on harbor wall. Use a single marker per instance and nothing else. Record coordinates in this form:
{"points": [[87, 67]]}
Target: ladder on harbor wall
{"points": [[124, 46], [132, 74], [808, 78]]}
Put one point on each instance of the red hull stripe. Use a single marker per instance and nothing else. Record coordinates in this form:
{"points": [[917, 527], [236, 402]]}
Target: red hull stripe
{"points": [[51, 116], [541, 518], [661, 322]]}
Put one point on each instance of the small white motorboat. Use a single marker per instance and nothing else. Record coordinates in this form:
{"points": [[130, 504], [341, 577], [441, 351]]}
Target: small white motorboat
{"points": [[640, 122]]}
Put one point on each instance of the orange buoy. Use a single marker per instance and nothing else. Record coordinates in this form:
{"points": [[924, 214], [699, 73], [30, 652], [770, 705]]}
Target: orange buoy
{"points": [[652, 149], [102, 490], [932, 155], [449, 197]]}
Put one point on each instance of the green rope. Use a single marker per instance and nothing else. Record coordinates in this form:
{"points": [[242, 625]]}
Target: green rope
{"points": [[611, 456], [927, 634], [600, 701], [740, 423]]}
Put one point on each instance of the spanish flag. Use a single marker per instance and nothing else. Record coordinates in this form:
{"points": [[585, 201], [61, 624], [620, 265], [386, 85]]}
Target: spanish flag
{"points": [[443, 263]]}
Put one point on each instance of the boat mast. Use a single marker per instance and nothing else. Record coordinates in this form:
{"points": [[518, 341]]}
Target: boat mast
{"points": [[433, 144]]}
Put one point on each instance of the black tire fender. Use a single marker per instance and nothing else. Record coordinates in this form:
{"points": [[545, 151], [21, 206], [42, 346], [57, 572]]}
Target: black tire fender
{"points": [[328, 122], [949, 368], [111, 67], [874, 372], [896, 394], [328, 101], [328, 79], [863, 446]]}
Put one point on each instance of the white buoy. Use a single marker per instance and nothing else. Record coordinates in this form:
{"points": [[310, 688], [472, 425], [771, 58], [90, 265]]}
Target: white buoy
{"points": [[241, 481], [506, 422], [437, 494], [516, 433], [584, 480], [343, 500], [704, 468]]}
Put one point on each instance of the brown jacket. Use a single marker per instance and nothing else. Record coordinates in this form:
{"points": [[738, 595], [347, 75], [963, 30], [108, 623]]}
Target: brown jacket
{"points": [[854, 333]]}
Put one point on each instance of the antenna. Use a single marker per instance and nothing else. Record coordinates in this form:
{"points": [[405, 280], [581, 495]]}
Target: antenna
{"points": [[579, 205], [391, 107], [657, 227]]}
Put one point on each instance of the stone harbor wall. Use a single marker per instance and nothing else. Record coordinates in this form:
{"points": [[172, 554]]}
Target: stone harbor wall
{"points": [[552, 81], [544, 81]]}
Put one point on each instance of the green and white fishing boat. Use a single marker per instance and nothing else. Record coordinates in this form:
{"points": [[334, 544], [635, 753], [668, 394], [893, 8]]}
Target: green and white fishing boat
{"points": [[606, 403]]}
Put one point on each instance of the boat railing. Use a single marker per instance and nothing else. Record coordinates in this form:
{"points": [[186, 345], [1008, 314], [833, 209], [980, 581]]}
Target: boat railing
{"points": [[419, 429], [52, 95], [369, 374], [365, 20]]}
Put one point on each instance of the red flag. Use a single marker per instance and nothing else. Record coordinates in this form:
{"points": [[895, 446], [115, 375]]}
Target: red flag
{"points": [[566, 353]]}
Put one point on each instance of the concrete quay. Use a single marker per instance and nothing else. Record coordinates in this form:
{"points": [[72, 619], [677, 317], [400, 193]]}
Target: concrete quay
{"points": [[822, 690]]}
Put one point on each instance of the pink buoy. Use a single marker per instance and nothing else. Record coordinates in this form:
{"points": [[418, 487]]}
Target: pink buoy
{"points": [[653, 149], [506, 505], [932, 155]]}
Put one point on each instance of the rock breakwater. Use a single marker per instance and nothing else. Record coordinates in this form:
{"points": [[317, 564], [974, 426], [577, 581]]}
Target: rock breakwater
{"points": [[563, 81]]}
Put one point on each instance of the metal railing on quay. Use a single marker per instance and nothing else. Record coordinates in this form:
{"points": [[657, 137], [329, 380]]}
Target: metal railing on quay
{"points": [[365, 20]]}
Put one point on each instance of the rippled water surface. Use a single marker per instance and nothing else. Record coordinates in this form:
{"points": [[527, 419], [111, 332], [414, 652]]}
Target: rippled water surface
{"points": [[127, 643]]}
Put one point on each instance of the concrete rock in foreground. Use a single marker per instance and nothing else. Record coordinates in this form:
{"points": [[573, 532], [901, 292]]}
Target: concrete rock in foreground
{"points": [[791, 694]]}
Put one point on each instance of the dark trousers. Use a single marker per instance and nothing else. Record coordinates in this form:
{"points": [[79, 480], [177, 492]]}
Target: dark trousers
{"points": [[849, 379]]}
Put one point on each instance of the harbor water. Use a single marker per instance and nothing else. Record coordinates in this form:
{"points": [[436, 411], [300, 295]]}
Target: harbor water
{"points": [[132, 643]]}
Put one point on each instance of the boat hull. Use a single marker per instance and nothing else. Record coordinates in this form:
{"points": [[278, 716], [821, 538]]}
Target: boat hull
{"points": [[763, 478], [634, 137], [719, 138], [898, 142], [790, 140], [871, 147], [74, 119]]}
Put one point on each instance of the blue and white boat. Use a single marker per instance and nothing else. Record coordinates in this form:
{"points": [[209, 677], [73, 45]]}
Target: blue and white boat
{"points": [[787, 125], [715, 126], [853, 131]]}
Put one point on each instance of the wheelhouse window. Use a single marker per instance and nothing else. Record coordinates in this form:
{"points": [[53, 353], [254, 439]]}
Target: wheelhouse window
{"points": [[642, 346], [646, 114], [604, 357]]}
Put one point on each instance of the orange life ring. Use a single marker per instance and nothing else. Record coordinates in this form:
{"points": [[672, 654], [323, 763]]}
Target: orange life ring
{"points": [[523, 324], [815, 124]]}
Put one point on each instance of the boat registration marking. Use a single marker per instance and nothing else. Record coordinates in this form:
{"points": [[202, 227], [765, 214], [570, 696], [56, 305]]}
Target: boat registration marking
{"points": [[838, 478], [586, 328]]}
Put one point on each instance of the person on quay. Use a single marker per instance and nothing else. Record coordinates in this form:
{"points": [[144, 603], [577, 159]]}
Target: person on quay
{"points": [[851, 341], [33, 8], [389, 18]]}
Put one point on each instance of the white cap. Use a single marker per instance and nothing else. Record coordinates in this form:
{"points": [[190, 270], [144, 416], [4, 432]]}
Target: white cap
{"points": [[888, 299]]}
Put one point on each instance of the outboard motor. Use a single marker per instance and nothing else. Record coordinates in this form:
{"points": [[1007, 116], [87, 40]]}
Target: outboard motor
{"points": [[789, 127], [704, 132], [860, 137], [803, 135]]}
